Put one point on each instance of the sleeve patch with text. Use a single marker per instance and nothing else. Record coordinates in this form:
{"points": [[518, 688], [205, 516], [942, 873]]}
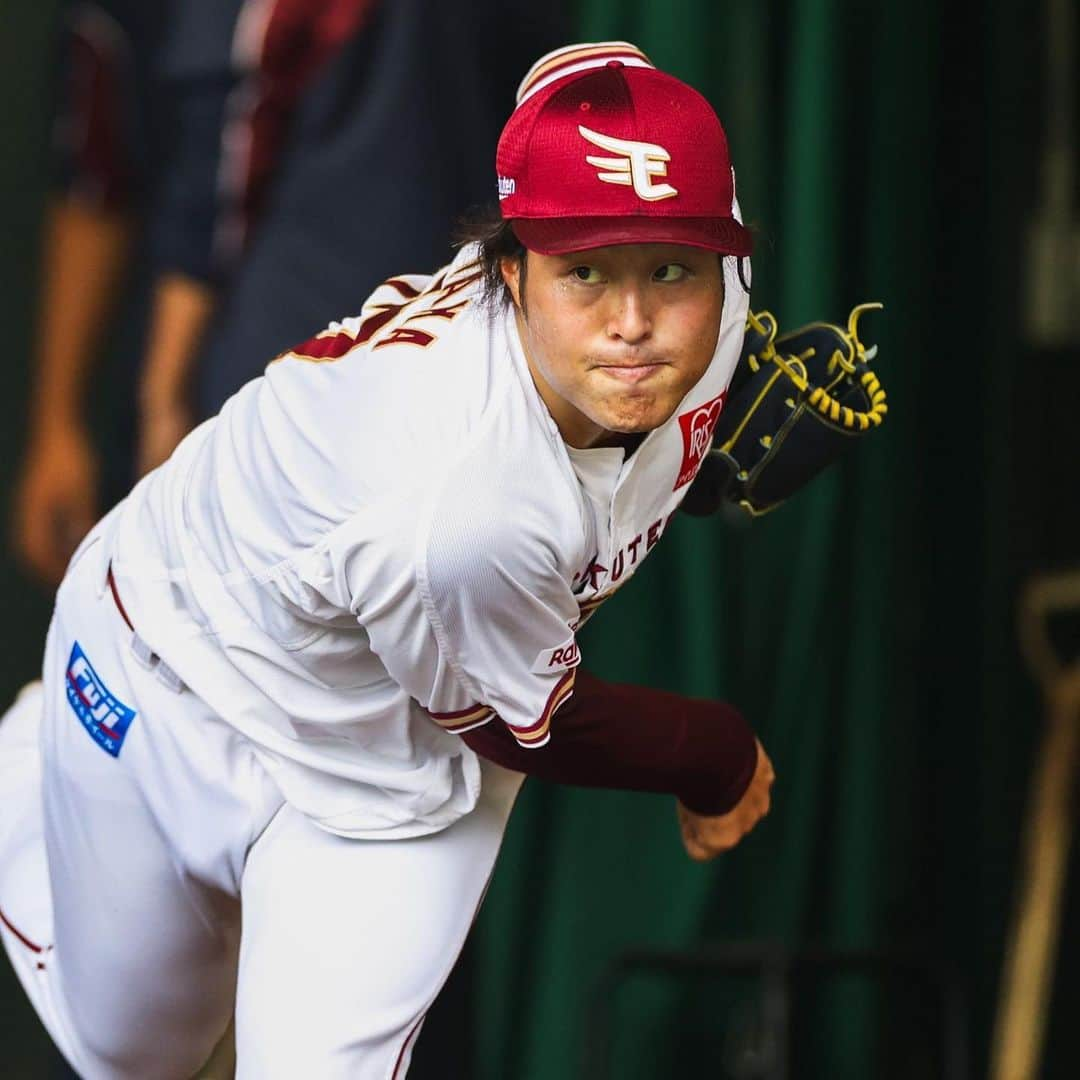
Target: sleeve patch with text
{"points": [[562, 658]]}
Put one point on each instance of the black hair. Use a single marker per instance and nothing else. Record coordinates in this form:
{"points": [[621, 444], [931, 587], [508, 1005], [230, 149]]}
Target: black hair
{"points": [[495, 240]]}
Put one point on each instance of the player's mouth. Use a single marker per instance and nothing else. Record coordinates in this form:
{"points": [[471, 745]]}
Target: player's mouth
{"points": [[629, 373]]}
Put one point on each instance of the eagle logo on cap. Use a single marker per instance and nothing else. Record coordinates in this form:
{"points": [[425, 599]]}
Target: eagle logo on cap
{"points": [[636, 165]]}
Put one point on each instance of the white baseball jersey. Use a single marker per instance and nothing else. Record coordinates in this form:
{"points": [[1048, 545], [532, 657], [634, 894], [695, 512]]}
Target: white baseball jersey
{"points": [[384, 541]]}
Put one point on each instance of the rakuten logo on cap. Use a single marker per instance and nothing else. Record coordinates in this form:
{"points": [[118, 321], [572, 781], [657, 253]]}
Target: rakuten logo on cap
{"points": [[636, 165], [697, 430], [604, 149]]}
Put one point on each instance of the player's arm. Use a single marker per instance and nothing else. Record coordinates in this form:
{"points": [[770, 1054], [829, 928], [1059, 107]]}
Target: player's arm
{"points": [[502, 612], [635, 738], [476, 626]]}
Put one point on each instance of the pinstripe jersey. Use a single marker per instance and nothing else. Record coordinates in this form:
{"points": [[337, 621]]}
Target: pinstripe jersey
{"points": [[384, 541]]}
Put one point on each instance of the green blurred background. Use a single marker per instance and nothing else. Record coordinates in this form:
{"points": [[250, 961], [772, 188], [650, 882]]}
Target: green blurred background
{"points": [[884, 151]]}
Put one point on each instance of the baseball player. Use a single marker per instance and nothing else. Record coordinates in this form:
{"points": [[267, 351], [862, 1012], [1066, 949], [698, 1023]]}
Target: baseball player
{"points": [[294, 680]]}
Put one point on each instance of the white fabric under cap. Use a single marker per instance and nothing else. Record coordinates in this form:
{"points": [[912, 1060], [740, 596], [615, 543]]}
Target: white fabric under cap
{"points": [[571, 59]]}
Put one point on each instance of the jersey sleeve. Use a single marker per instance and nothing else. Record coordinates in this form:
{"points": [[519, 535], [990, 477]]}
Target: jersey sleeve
{"points": [[471, 622], [502, 613]]}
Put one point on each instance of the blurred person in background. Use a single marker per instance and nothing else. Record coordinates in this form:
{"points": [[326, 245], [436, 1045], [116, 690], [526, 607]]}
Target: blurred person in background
{"points": [[230, 174], [128, 262]]}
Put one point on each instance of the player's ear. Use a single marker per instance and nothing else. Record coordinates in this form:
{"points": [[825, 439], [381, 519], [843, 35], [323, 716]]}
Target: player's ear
{"points": [[510, 266]]}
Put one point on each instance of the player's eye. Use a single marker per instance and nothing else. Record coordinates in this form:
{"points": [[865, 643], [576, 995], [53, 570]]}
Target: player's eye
{"points": [[588, 274], [671, 272]]}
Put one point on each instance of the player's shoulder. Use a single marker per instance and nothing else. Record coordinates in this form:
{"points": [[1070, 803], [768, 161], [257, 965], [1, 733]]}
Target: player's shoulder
{"points": [[424, 332], [407, 314], [420, 392], [507, 503], [412, 370], [489, 516], [499, 499]]}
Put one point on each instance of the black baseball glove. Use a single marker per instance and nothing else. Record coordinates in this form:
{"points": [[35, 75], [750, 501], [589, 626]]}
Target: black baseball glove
{"points": [[796, 402]]}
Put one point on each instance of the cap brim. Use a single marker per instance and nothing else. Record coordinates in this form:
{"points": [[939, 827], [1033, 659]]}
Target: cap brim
{"points": [[559, 236]]}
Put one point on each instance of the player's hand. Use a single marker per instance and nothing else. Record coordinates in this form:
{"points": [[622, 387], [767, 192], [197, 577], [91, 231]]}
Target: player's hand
{"points": [[55, 499], [162, 424], [706, 837]]}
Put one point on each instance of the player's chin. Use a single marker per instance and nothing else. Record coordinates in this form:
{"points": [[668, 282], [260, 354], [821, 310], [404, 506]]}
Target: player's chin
{"points": [[637, 412]]}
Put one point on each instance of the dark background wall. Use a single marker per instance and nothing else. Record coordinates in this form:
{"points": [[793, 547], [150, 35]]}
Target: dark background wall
{"points": [[884, 151], [887, 151], [25, 87]]}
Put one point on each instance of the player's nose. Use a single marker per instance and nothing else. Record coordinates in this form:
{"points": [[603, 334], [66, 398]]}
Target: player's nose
{"points": [[629, 318]]}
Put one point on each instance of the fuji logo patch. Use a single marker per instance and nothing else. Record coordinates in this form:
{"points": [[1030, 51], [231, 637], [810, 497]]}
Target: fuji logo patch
{"points": [[697, 428], [105, 717]]}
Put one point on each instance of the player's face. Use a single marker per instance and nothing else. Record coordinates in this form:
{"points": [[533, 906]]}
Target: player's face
{"points": [[616, 336]]}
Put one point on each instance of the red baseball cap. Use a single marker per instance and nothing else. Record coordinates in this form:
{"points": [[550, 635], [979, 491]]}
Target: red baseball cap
{"points": [[604, 149]]}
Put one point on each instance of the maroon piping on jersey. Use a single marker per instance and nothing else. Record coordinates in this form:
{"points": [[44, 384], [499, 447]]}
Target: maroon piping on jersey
{"points": [[116, 599], [33, 946], [420, 1020], [612, 735], [405, 1045]]}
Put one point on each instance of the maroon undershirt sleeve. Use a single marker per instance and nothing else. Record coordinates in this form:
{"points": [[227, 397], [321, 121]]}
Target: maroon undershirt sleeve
{"points": [[612, 735]]}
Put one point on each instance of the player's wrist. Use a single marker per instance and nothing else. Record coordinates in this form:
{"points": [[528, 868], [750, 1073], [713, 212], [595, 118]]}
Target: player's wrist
{"points": [[724, 765]]}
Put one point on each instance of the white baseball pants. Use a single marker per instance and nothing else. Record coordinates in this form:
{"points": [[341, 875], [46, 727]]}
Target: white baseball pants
{"points": [[147, 896]]}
